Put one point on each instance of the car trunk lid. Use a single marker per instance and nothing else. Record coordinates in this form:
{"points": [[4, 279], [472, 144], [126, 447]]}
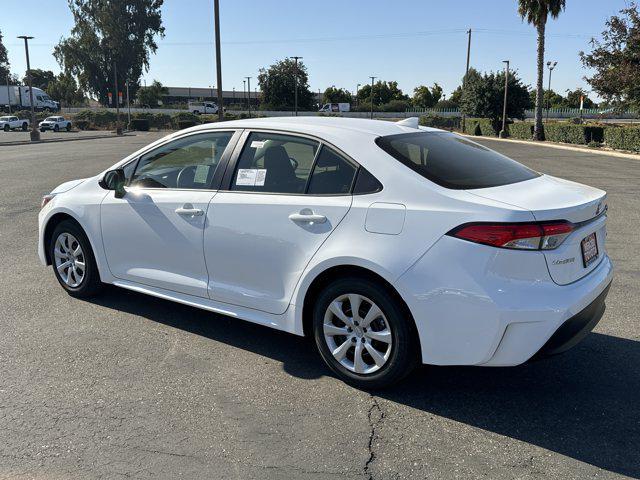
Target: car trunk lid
{"points": [[550, 198]]}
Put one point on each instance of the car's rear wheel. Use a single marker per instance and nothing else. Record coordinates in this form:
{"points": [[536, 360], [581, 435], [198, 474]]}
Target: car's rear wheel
{"points": [[68, 127], [56, 128], [7, 128], [363, 333], [73, 262], [24, 127]]}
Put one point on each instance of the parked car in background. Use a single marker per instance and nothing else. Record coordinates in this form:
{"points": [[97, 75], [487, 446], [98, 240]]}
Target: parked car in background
{"points": [[387, 243], [203, 107], [55, 123], [11, 122], [335, 107]]}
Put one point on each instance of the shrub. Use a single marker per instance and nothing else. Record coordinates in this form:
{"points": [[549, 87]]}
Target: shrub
{"points": [[570, 133], [182, 124], [623, 138], [82, 124], [140, 124], [436, 121], [471, 127], [480, 126], [185, 117], [395, 106], [521, 130]]}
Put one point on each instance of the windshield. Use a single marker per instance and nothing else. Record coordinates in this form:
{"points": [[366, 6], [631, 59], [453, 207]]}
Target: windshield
{"points": [[5, 119], [50, 119], [453, 161]]}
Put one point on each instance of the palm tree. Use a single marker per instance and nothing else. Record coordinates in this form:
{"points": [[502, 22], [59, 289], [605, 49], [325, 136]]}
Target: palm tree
{"points": [[536, 13]]}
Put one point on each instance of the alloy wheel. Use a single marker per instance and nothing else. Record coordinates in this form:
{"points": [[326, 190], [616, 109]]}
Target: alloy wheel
{"points": [[357, 333], [69, 259]]}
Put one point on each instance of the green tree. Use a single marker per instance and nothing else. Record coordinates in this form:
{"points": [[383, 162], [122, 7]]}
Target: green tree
{"points": [[615, 60], [108, 32], [277, 84], [484, 96], [549, 98], [336, 95], [152, 94], [64, 89], [40, 78], [426, 97], [537, 12], [383, 92], [4, 62], [573, 99]]}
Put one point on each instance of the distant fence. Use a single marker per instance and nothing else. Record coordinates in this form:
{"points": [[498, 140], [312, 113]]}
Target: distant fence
{"points": [[552, 113], [410, 112]]}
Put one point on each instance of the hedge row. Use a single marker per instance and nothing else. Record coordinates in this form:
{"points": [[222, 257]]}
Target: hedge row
{"points": [[614, 136], [623, 138], [143, 121]]}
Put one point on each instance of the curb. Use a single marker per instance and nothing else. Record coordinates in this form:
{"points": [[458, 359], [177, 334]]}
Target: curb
{"points": [[57, 140], [559, 146]]}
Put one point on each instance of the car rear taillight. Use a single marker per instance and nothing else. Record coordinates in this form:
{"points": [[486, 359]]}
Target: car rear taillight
{"points": [[523, 236]]}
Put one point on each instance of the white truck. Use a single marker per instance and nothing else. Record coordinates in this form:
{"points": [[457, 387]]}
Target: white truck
{"points": [[17, 97], [55, 123], [11, 122], [203, 107], [335, 107]]}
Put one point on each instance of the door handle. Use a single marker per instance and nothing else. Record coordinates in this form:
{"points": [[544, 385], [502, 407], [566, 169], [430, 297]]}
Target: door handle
{"points": [[307, 216], [189, 212]]}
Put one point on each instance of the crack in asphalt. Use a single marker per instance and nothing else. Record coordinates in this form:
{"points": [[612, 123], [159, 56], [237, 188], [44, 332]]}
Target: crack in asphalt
{"points": [[375, 416]]}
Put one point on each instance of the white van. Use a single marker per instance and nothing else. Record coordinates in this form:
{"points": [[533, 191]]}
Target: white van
{"points": [[203, 107], [335, 107]]}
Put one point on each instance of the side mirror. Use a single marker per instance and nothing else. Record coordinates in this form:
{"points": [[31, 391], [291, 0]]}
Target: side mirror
{"points": [[114, 180]]}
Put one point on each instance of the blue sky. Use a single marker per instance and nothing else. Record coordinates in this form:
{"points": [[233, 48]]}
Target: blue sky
{"points": [[343, 42]]}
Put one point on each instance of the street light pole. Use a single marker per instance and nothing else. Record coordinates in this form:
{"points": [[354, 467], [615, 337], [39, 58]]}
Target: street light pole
{"points": [[116, 98], [295, 82], [357, 88], [503, 132], [371, 96], [35, 133], [216, 14], [249, 95], [128, 108], [466, 72], [551, 66]]}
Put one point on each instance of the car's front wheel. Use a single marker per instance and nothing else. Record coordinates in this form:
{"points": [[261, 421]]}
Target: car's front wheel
{"points": [[56, 128], [7, 128], [363, 333], [73, 262]]}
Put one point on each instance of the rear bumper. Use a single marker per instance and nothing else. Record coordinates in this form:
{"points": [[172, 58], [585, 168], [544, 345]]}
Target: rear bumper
{"points": [[575, 329], [477, 305]]}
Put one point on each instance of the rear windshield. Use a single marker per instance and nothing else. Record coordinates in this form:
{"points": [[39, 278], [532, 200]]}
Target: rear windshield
{"points": [[453, 161]]}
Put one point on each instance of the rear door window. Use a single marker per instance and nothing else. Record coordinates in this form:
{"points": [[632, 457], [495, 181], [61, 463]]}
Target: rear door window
{"points": [[332, 174], [453, 161]]}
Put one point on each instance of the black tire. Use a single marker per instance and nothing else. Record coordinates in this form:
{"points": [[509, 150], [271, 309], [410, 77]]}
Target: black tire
{"points": [[68, 127], [90, 284], [24, 127], [42, 130], [7, 127], [56, 128], [404, 355]]}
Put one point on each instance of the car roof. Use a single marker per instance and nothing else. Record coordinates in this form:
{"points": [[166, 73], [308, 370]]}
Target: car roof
{"points": [[329, 127]]}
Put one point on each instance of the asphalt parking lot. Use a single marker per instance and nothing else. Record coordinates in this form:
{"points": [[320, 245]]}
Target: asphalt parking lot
{"points": [[130, 386], [18, 136]]}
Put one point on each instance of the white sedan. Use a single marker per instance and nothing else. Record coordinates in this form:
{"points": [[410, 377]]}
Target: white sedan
{"points": [[388, 243], [55, 123]]}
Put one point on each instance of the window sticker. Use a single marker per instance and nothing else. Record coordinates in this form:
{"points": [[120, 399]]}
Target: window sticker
{"points": [[260, 177], [258, 144], [246, 176], [201, 174], [251, 177]]}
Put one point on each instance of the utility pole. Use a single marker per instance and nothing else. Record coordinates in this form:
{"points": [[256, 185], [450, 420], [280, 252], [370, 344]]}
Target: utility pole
{"points": [[116, 98], [128, 108], [295, 81], [234, 95], [551, 65], [319, 99], [8, 94], [357, 88], [216, 14], [503, 132], [249, 94], [35, 133], [371, 96], [244, 94], [466, 72]]}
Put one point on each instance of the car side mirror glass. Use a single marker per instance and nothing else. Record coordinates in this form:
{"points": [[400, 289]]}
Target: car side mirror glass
{"points": [[114, 180]]}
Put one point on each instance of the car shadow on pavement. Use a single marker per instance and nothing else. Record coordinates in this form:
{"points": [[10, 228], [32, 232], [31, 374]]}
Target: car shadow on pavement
{"points": [[584, 404]]}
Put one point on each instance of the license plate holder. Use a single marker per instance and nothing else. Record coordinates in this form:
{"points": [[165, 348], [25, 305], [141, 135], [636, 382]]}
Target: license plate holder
{"points": [[589, 247]]}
